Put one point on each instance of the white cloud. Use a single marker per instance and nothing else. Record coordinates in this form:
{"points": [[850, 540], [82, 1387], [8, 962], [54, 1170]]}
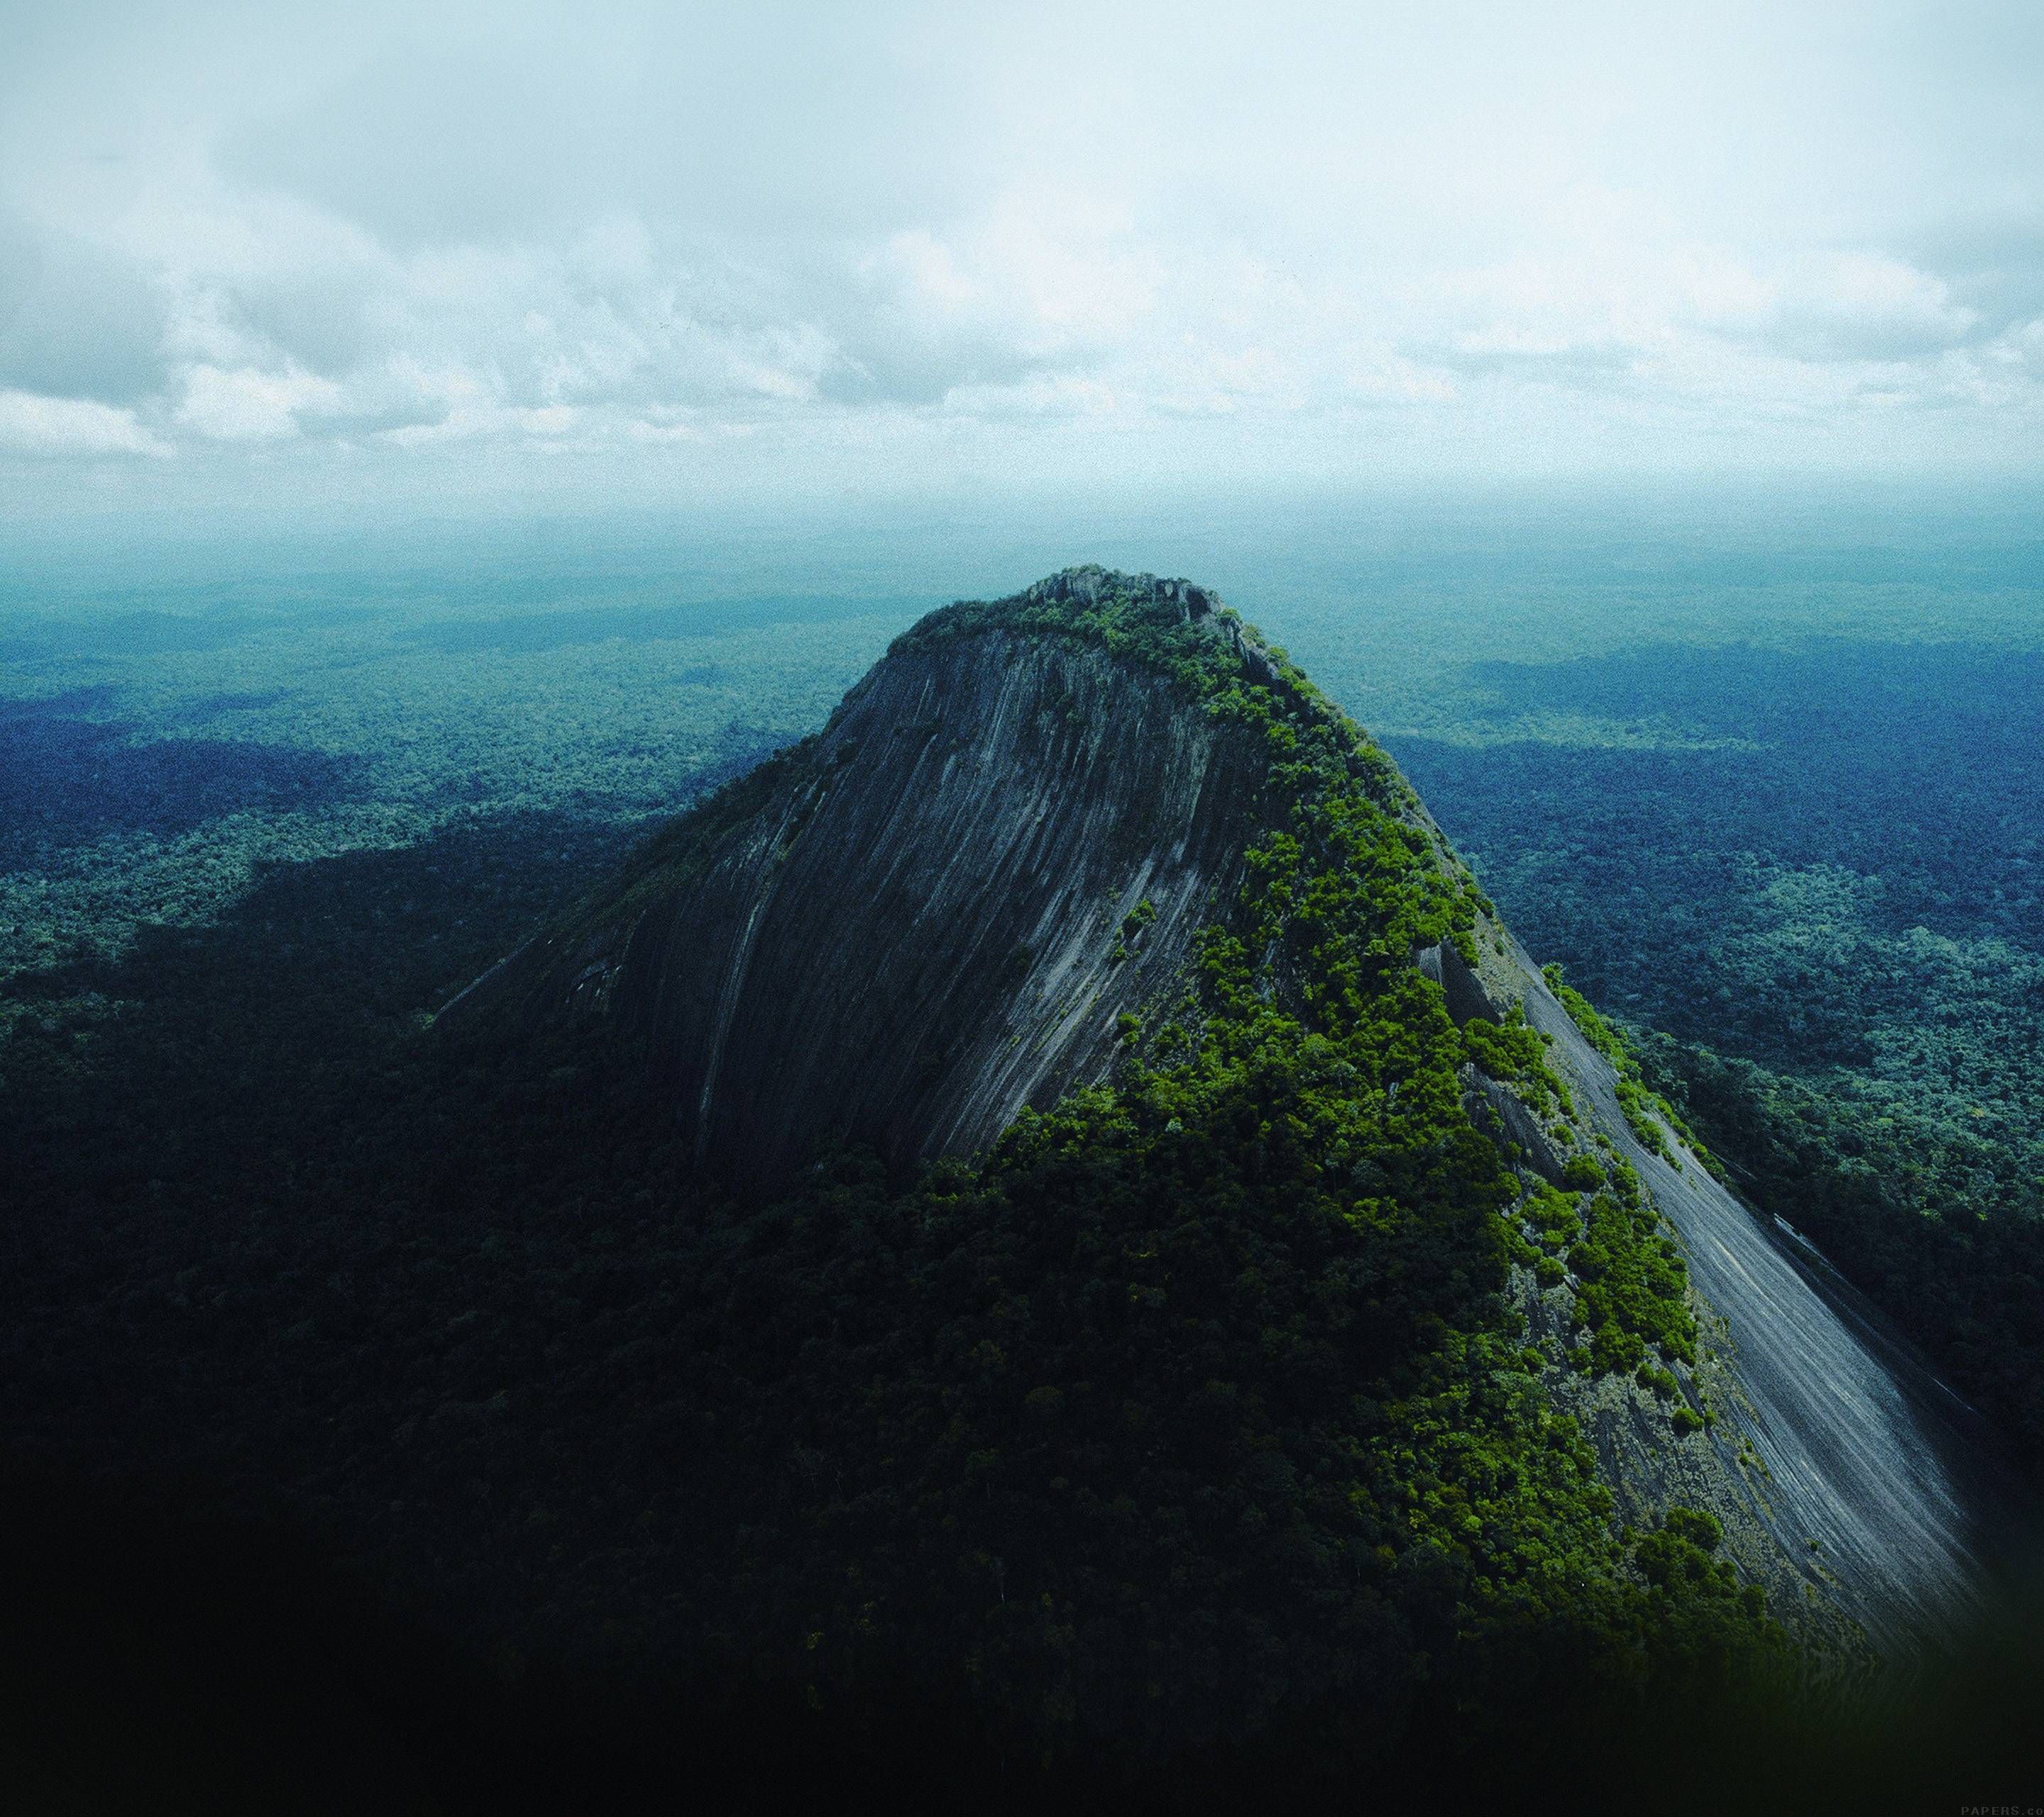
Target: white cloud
{"points": [[1851, 306], [821, 230], [38, 425], [246, 405]]}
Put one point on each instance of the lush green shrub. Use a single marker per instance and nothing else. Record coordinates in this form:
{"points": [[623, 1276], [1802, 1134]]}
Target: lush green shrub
{"points": [[1554, 1216], [1514, 1053], [1633, 1291], [1581, 1174], [1659, 1379]]}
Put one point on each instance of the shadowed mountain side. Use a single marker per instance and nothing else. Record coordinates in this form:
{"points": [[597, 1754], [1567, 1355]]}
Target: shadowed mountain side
{"points": [[935, 914]]}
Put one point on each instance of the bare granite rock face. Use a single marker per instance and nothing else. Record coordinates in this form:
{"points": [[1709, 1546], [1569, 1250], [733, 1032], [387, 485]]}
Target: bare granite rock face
{"points": [[1000, 846], [1848, 1478]]}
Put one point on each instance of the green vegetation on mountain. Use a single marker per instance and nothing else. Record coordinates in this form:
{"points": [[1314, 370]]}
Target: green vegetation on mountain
{"points": [[1511, 1052]]}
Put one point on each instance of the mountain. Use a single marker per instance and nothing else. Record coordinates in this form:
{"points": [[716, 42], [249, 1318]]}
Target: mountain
{"points": [[906, 928], [1177, 1262]]}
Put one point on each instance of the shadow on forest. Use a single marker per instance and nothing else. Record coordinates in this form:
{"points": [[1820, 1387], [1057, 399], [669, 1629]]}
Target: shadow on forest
{"points": [[366, 937], [238, 1277], [68, 776], [159, 1655], [1825, 691], [231, 1265], [201, 1056], [1848, 765]]}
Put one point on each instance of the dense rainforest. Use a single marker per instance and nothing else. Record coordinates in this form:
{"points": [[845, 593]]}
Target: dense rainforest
{"points": [[456, 1313]]}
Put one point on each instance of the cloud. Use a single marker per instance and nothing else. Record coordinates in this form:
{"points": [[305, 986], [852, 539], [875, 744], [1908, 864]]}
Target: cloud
{"points": [[32, 425], [1855, 305], [76, 320], [246, 405], [763, 122], [472, 232]]}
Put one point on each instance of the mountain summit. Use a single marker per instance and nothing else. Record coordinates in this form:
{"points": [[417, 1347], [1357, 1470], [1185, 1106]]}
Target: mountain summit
{"points": [[1263, 1247], [935, 911]]}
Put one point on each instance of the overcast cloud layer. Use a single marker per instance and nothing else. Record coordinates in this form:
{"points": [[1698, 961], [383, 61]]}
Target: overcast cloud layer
{"points": [[251, 251]]}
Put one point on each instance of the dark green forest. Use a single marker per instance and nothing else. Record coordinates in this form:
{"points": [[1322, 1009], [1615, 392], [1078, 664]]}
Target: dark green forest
{"points": [[455, 1316]]}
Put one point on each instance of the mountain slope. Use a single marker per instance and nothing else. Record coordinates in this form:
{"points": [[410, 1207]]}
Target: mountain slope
{"points": [[1091, 894], [907, 929], [1859, 1464]]}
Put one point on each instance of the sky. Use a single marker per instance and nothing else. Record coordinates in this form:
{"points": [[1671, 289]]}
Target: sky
{"points": [[388, 257]]}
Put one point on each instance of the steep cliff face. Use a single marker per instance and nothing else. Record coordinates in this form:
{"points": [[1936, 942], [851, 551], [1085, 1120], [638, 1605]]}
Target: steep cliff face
{"points": [[987, 882], [937, 913]]}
